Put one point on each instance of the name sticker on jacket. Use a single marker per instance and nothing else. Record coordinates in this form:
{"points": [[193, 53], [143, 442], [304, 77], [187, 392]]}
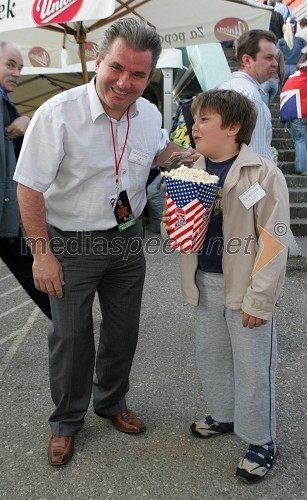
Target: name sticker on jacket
{"points": [[252, 195], [139, 157]]}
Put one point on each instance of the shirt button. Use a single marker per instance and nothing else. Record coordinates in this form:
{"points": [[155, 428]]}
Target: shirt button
{"points": [[6, 199], [124, 172]]}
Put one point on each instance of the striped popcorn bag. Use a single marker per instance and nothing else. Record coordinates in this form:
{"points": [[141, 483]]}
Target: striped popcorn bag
{"points": [[190, 194]]}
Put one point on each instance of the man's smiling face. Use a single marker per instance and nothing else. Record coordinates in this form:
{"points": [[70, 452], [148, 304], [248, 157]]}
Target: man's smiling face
{"points": [[122, 76]]}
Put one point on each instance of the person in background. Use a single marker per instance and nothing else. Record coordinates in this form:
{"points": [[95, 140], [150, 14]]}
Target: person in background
{"points": [[302, 32], [283, 9], [293, 108], [271, 87], [82, 173], [276, 21], [256, 59], [13, 249], [235, 284], [291, 47]]}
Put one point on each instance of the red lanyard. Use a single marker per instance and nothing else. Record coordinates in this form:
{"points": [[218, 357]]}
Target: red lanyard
{"points": [[117, 163]]}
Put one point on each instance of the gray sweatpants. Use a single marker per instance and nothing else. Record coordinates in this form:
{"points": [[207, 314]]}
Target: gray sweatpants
{"points": [[236, 365]]}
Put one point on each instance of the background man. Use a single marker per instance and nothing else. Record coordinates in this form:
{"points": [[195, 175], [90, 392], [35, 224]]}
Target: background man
{"points": [[83, 170], [256, 58], [13, 249]]}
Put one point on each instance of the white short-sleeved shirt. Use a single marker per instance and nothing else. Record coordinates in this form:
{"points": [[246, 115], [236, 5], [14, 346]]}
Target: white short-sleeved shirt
{"points": [[262, 135], [68, 155]]}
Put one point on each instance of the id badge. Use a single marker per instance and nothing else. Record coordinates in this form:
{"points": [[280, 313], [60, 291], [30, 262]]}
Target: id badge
{"points": [[252, 195], [123, 213]]}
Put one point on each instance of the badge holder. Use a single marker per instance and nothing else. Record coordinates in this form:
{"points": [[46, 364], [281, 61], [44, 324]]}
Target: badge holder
{"points": [[123, 213]]}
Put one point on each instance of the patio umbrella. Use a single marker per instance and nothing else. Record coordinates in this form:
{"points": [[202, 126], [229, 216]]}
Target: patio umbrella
{"points": [[42, 28], [46, 31]]}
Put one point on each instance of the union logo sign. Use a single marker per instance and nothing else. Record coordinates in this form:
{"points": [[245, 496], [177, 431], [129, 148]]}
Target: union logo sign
{"points": [[54, 11], [39, 57], [230, 28]]}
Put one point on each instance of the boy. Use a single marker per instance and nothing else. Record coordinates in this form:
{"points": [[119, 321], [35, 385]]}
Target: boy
{"points": [[236, 279]]}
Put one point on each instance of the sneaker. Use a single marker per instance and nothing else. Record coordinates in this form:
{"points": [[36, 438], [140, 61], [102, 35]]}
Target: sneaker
{"points": [[207, 427], [257, 462]]}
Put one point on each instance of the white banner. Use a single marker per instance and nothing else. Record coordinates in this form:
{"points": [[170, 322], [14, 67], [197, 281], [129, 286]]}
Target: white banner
{"points": [[19, 14]]}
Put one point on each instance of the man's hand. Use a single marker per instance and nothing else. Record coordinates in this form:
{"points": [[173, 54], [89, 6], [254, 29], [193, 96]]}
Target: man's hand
{"points": [[18, 127], [48, 274], [187, 158], [194, 155], [251, 321]]}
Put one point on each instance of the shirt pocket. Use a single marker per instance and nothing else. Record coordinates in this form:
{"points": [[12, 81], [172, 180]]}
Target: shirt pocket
{"points": [[139, 172]]}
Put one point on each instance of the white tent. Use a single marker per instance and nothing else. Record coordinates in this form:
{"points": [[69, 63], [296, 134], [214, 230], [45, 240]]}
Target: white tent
{"points": [[46, 31], [50, 32]]}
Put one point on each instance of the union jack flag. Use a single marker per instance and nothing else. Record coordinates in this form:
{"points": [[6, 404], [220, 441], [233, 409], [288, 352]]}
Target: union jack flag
{"points": [[293, 97], [190, 205]]}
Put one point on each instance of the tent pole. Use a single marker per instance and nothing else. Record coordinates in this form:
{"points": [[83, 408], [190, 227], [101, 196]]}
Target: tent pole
{"points": [[83, 62], [80, 37]]}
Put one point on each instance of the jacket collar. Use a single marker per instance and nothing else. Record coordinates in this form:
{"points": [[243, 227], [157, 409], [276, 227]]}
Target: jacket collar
{"points": [[245, 158]]}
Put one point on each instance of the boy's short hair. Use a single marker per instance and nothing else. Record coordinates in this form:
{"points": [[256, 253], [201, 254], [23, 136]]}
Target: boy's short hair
{"points": [[248, 43], [233, 107]]}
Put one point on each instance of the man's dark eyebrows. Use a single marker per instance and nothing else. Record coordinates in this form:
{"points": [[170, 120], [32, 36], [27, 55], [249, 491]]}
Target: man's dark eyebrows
{"points": [[11, 60]]}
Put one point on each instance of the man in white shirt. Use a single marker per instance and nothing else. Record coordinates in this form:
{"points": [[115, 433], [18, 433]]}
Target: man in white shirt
{"points": [[82, 174], [256, 58]]}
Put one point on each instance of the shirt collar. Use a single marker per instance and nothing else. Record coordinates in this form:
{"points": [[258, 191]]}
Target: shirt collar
{"points": [[246, 75], [96, 107]]}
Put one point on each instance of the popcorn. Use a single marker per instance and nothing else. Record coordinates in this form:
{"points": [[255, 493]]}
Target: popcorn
{"points": [[187, 174], [190, 194]]}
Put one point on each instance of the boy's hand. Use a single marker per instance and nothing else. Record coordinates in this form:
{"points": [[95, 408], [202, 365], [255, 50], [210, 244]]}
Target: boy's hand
{"points": [[165, 219], [251, 321]]}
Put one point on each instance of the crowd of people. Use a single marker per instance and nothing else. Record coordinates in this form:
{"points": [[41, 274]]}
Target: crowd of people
{"points": [[81, 174]]}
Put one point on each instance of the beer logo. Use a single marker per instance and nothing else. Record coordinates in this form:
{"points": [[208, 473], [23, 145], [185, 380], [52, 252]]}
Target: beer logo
{"points": [[54, 11], [39, 57], [230, 28], [90, 51]]}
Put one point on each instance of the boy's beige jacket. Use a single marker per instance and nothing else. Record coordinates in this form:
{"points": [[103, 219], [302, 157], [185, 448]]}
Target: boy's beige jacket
{"points": [[255, 293]]}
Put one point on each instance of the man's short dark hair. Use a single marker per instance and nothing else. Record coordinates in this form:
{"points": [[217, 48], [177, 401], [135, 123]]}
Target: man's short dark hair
{"points": [[233, 107], [136, 34], [248, 43]]}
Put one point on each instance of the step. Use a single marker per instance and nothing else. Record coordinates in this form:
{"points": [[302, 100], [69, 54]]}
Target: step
{"points": [[282, 133], [298, 195], [296, 181], [281, 143], [287, 167], [286, 155], [275, 111], [298, 227], [276, 122], [298, 210]]}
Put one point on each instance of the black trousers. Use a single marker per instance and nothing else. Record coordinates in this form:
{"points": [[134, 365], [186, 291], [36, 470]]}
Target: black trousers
{"points": [[111, 264], [17, 256]]}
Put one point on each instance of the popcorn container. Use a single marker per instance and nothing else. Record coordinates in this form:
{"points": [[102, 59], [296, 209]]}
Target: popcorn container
{"points": [[190, 195]]}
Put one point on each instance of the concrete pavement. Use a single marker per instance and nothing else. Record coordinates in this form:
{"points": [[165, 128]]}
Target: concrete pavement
{"points": [[166, 462]]}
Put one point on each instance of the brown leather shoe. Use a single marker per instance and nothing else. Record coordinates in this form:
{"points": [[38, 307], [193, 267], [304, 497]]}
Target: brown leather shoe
{"points": [[60, 449], [125, 421]]}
